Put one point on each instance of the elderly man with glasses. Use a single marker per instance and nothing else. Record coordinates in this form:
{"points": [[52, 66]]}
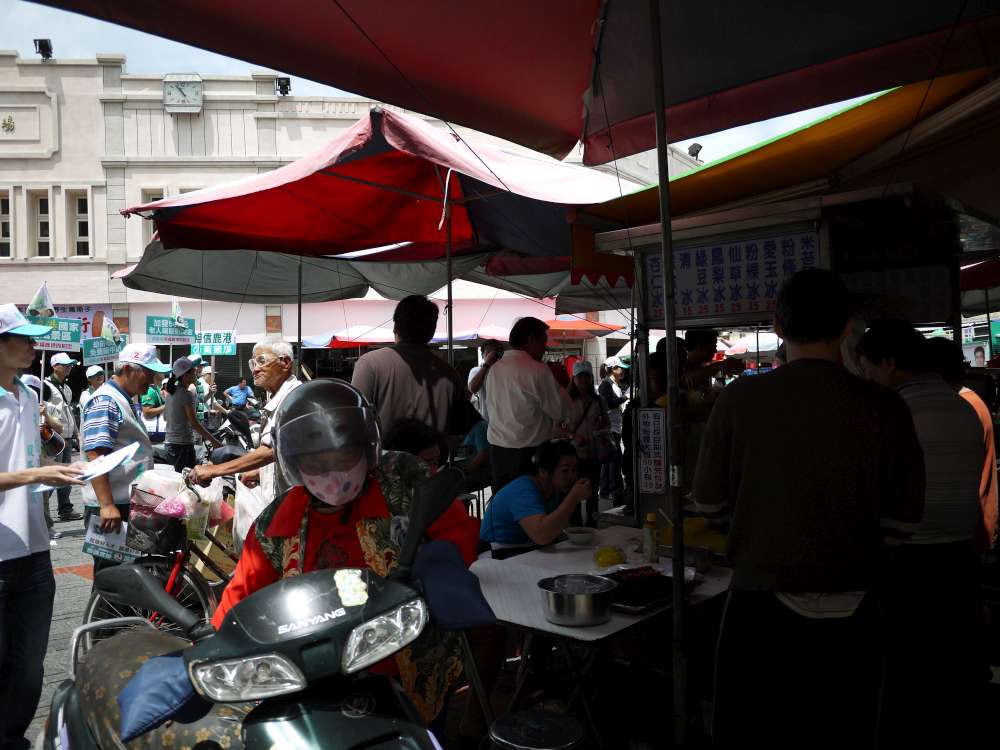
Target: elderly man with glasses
{"points": [[271, 366]]}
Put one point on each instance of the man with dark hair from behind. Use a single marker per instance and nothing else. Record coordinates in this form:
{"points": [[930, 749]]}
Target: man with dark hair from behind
{"points": [[932, 664], [524, 401], [816, 470], [410, 381]]}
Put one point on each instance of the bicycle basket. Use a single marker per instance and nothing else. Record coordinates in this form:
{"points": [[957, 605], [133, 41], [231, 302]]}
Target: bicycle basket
{"points": [[150, 533]]}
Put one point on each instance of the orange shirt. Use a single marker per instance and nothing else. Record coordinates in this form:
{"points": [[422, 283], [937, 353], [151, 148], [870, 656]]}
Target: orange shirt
{"points": [[987, 533]]}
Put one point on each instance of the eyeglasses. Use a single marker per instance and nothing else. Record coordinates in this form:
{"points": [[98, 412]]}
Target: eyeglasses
{"points": [[255, 362]]}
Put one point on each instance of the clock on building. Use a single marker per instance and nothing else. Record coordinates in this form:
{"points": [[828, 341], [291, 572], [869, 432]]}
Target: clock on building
{"points": [[182, 92]]}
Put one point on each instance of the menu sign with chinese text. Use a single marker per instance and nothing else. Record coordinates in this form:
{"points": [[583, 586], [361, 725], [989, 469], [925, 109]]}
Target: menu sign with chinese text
{"points": [[163, 329], [731, 278], [65, 336], [214, 343], [652, 452]]}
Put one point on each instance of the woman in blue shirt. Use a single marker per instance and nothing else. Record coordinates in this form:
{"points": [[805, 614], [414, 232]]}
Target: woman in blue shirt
{"points": [[534, 509]]}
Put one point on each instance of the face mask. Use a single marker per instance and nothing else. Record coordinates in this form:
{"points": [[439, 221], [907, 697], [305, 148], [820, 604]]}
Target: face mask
{"points": [[337, 487]]}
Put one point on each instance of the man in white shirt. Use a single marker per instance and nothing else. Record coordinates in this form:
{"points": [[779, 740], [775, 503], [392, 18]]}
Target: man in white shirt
{"points": [[492, 352], [27, 586], [61, 397], [272, 367], [524, 401]]}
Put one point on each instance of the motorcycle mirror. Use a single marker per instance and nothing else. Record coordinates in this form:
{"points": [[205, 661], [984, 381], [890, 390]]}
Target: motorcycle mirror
{"points": [[136, 586], [431, 498]]}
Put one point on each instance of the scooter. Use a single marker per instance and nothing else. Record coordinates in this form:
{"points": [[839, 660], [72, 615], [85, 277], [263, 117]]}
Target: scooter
{"points": [[287, 668]]}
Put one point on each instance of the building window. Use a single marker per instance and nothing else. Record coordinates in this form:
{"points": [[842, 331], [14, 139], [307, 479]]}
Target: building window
{"points": [[272, 318], [43, 238], [5, 221], [81, 224], [148, 226]]}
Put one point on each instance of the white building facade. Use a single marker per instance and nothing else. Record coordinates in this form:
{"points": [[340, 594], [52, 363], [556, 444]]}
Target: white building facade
{"points": [[80, 140]]}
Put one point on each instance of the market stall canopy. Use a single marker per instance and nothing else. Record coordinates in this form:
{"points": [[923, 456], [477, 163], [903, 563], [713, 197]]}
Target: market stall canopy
{"points": [[549, 74], [384, 182], [273, 278], [349, 338], [939, 134], [765, 341], [476, 336], [579, 328]]}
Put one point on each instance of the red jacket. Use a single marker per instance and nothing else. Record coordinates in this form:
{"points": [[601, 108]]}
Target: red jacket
{"points": [[255, 570]]}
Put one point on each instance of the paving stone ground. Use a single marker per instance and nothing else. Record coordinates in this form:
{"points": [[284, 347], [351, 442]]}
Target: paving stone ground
{"points": [[73, 573]]}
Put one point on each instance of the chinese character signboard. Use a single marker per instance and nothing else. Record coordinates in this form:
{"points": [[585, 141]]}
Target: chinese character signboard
{"points": [[163, 329], [65, 337], [99, 351], [652, 452], [84, 313], [214, 343], [731, 278]]}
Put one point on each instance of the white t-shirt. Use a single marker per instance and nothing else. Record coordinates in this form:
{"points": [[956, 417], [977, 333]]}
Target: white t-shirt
{"points": [[268, 482], [22, 514], [525, 402]]}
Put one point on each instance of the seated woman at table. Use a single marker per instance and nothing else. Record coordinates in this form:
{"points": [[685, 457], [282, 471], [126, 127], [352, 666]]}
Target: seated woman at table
{"points": [[535, 508]]}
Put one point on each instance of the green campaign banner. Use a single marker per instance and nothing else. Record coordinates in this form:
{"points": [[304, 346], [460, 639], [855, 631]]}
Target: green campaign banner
{"points": [[66, 333], [214, 344], [163, 329], [99, 351]]}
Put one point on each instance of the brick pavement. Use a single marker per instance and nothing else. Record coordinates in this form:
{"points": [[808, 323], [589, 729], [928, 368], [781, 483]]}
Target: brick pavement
{"points": [[74, 572]]}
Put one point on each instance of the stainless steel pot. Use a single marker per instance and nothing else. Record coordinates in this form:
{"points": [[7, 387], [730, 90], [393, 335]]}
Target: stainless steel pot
{"points": [[577, 600]]}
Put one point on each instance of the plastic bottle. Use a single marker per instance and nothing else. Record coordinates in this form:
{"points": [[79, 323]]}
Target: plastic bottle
{"points": [[649, 539]]}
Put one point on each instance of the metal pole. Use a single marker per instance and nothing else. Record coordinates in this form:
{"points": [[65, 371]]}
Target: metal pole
{"points": [[757, 332], [989, 326], [299, 324], [451, 309], [673, 394]]}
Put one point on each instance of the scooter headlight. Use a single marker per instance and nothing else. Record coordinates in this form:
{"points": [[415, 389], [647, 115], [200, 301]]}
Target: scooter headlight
{"points": [[383, 636], [253, 678]]}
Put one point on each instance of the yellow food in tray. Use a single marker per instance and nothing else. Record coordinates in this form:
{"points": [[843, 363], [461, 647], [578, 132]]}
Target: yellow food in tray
{"points": [[605, 557]]}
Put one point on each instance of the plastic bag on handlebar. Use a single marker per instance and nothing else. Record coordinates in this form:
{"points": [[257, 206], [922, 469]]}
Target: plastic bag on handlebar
{"points": [[250, 503]]}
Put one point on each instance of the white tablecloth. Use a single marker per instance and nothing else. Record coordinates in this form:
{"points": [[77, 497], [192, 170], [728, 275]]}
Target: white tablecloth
{"points": [[510, 586]]}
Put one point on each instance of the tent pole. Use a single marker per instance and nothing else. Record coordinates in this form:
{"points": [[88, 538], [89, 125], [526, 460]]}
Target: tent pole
{"points": [[989, 325], [674, 437], [451, 309], [299, 324]]}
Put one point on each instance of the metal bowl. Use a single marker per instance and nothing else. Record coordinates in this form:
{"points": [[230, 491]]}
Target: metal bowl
{"points": [[577, 600]]}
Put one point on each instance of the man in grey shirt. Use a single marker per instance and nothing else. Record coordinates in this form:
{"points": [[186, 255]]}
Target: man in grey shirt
{"points": [[933, 669], [409, 381]]}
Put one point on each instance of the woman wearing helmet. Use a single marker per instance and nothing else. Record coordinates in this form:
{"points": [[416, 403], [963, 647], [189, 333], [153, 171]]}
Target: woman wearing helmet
{"points": [[348, 508]]}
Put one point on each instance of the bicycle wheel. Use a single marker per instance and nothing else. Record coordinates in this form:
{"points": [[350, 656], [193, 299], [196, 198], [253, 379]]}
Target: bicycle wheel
{"points": [[190, 589]]}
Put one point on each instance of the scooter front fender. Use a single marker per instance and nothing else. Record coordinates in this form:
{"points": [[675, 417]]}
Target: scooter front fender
{"points": [[367, 713], [66, 728]]}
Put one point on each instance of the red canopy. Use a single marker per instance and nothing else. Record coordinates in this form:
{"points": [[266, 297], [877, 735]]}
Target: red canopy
{"points": [[383, 182], [550, 73]]}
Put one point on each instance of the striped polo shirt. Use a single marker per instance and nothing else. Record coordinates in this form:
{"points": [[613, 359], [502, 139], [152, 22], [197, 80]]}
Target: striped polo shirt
{"points": [[952, 440]]}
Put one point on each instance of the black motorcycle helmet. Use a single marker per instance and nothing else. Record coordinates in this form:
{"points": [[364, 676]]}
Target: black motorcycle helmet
{"points": [[325, 425]]}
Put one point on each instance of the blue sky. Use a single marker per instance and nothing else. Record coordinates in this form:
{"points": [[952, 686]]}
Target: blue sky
{"points": [[75, 36]]}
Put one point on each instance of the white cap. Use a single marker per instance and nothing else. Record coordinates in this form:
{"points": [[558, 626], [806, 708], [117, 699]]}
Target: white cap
{"points": [[612, 362], [94, 370], [31, 381], [144, 355], [62, 358], [12, 321]]}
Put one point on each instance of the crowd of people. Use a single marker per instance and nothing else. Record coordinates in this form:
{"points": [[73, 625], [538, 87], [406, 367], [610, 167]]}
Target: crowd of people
{"points": [[857, 504]]}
